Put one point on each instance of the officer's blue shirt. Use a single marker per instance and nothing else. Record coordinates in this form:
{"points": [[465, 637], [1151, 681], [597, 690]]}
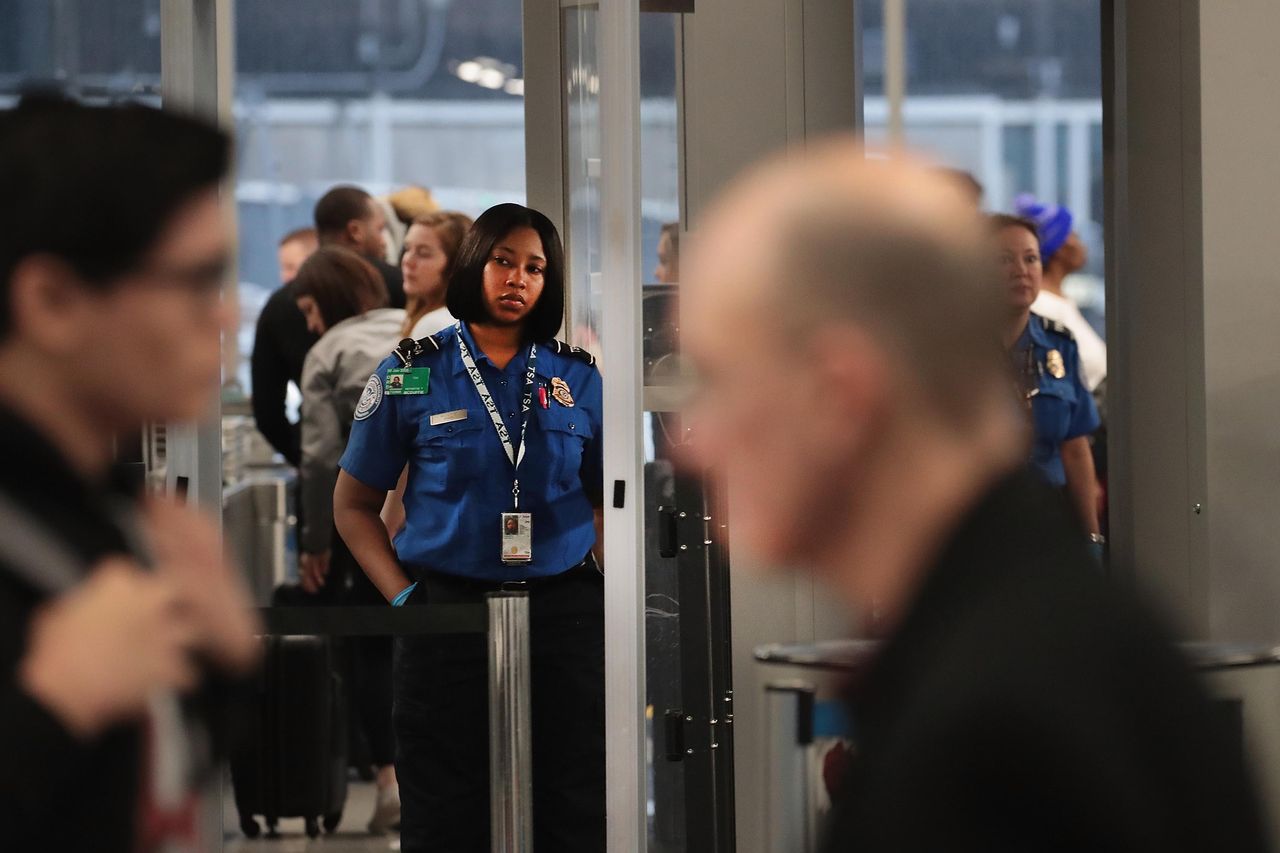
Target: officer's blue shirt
{"points": [[1062, 408], [460, 478]]}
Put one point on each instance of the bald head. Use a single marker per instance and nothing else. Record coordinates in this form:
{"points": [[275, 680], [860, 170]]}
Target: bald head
{"points": [[889, 245], [843, 315]]}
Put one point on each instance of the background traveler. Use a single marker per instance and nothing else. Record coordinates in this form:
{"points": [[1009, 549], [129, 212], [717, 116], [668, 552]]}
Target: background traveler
{"points": [[345, 301], [430, 248], [280, 344], [349, 217]]}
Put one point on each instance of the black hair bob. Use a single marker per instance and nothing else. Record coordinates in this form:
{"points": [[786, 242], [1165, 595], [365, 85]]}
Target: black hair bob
{"points": [[465, 296], [96, 186]]}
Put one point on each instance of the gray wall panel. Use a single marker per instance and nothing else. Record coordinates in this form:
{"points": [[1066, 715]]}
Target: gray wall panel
{"points": [[1240, 135], [1154, 287]]}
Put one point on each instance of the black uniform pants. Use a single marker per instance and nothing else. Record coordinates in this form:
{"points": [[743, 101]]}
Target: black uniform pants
{"points": [[441, 721]]}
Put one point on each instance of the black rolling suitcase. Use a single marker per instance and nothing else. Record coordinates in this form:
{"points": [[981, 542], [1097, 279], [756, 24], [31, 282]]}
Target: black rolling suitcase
{"points": [[294, 761]]}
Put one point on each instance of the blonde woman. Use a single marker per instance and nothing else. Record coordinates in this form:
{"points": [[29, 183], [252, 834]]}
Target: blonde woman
{"points": [[430, 245]]}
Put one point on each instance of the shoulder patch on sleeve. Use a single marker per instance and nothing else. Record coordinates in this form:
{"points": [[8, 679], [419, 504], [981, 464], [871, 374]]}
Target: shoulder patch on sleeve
{"points": [[370, 398], [1057, 328], [579, 353]]}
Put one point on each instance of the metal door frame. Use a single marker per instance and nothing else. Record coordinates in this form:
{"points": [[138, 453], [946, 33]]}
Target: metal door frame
{"points": [[704, 630]]}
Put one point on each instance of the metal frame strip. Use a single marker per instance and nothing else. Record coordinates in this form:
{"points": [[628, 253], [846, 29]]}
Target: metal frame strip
{"points": [[619, 60], [197, 68]]}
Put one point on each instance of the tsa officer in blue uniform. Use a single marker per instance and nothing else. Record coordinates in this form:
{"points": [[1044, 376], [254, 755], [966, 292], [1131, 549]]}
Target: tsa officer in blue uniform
{"points": [[1046, 362], [499, 426]]}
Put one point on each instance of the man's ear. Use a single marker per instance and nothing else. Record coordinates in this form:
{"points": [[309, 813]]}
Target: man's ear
{"points": [[355, 232], [48, 304], [855, 379]]}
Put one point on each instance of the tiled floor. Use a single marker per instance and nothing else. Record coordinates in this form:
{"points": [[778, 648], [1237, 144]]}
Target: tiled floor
{"points": [[351, 837]]}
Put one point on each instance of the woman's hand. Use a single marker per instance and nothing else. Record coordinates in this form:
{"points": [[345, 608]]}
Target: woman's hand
{"points": [[356, 512], [313, 570]]}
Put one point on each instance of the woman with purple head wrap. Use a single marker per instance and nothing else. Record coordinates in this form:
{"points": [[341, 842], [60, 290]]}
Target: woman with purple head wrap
{"points": [[1063, 253]]}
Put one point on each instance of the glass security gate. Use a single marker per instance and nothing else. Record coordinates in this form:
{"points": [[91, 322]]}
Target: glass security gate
{"points": [[690, 687], [617, 153]]}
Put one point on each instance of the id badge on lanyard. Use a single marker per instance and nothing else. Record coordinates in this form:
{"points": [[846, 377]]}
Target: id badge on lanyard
{"points": [[517, 538], [517, 526]]}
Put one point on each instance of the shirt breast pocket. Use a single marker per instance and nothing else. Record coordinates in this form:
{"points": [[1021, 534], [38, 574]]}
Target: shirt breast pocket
{"points": [[567, 431], [446, 455]]}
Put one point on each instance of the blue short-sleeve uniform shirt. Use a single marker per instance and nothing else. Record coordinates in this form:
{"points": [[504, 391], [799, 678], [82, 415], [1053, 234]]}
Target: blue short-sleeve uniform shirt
{"points": [[460, 479], [1062, 407]]}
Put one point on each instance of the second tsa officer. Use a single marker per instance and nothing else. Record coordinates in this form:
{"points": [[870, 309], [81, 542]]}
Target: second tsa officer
{"points": [[499, 425], [1046, 364]]}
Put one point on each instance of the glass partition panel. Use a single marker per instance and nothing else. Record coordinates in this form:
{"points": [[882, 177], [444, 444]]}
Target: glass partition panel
{"points": [[383, 96], [688, 699], [688, 702], [1011, 93], [93, 50], [581, 81], [665, 621], [425, 97]]}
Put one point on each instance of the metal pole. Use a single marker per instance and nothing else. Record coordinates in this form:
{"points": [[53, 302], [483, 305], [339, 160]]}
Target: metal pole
{"points": [[197, 67], [510, 735], [624, 656], [895, 68]]}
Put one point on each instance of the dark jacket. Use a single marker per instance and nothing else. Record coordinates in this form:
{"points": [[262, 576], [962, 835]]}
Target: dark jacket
{"points": [[280, 346], [394, 279], [1025, 704], [57, 792]]}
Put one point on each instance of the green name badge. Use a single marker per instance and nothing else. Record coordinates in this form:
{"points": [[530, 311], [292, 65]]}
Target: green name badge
{"points": [[407, 381]]}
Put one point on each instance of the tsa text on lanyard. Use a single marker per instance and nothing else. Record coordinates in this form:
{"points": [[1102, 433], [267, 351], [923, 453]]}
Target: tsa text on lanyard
{"points": [[517, 527]]}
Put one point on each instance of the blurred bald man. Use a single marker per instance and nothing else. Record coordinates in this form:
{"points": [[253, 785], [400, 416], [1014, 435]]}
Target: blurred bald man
{"points": [[856, 401]]}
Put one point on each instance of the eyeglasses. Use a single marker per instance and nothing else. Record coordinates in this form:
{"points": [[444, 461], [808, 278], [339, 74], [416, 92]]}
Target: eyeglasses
{"points": [[203, 280]]}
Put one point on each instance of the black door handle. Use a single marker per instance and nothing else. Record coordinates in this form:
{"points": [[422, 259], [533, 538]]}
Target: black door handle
{"points": [[667, 533]]}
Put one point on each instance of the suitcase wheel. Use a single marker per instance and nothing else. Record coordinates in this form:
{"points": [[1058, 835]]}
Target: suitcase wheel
{"points": [[249, 826], [313, 827], [331, 822]]}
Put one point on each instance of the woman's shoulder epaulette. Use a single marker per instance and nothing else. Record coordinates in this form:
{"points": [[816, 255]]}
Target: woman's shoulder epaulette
{"points": [[409, 349], [1054, 327], [561, 348]]}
